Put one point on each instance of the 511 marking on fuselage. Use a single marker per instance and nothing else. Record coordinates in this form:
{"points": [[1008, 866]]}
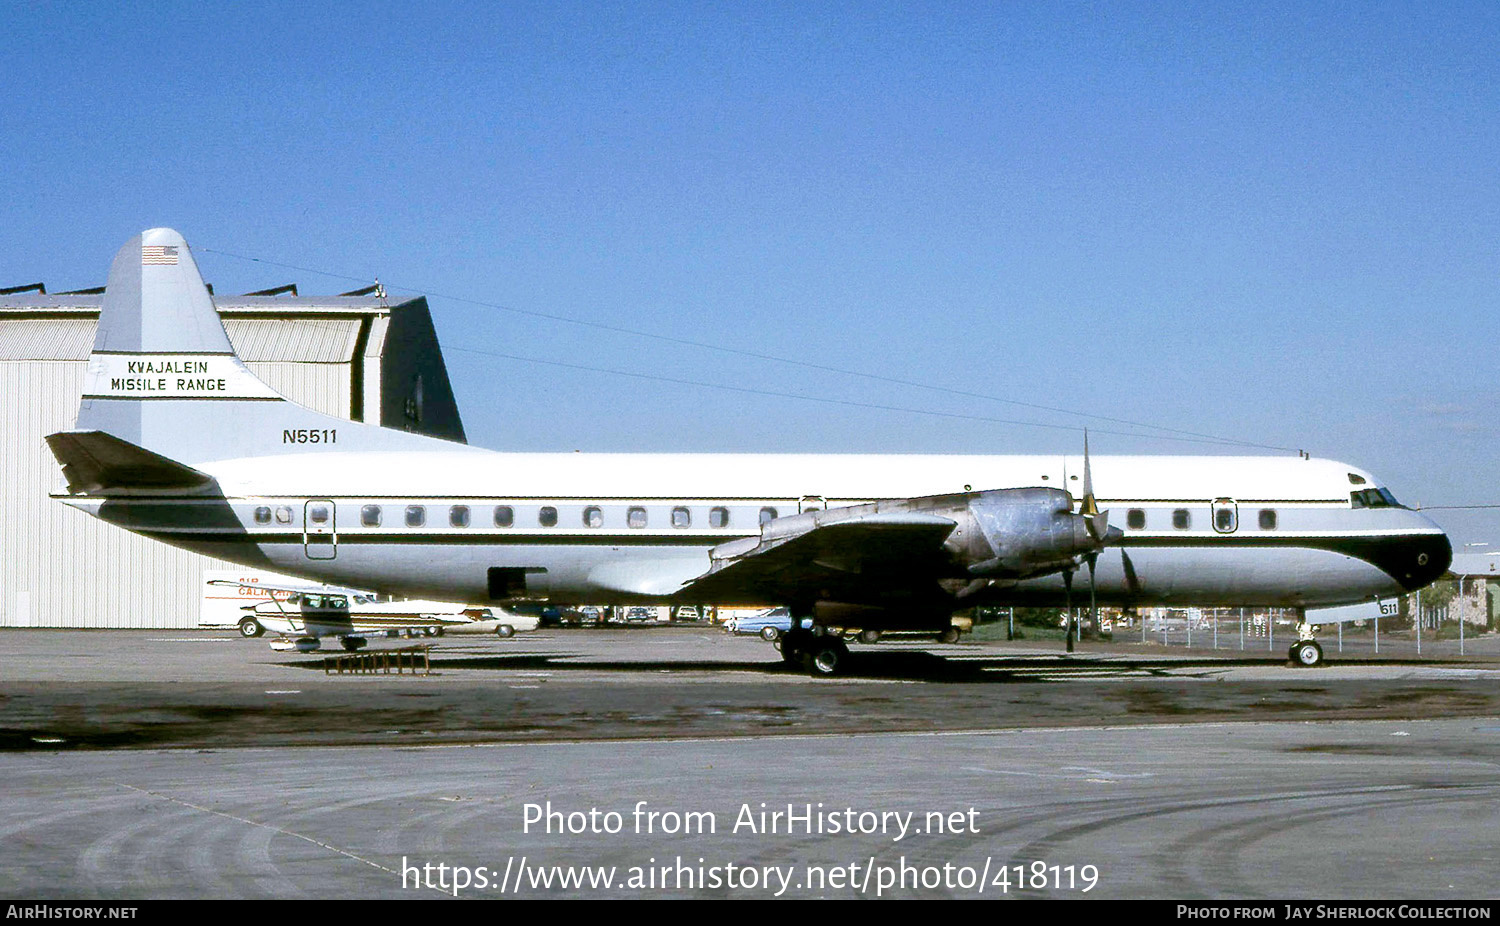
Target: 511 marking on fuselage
{"points": [[310, 436]]}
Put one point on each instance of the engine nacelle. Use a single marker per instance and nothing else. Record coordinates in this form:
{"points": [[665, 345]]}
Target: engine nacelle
{"points": [[1020, 533]]}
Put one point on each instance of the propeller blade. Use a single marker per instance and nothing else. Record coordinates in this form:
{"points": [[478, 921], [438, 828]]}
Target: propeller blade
{"points": [[1093, 599], [1098, 525], [1068, 587], [1090, 506]]}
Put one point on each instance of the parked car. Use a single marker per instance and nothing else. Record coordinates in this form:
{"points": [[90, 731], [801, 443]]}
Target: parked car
{"points": [[499, 621], [639, 615], [768, 625]]}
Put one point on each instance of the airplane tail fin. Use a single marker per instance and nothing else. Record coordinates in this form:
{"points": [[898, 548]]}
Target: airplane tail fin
{"points": [[164, 379]]}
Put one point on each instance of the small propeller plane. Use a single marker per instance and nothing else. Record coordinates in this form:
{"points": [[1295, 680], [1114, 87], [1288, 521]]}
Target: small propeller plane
{"points": [[301, 615]]}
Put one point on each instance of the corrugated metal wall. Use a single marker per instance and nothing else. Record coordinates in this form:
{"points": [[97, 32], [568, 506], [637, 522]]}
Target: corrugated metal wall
{"points": [[58, 566], [302, 340]]}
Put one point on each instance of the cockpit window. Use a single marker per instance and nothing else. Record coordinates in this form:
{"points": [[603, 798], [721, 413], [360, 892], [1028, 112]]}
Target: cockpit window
{"points": [[1355, 479], [1374, 498], [337, 602]]}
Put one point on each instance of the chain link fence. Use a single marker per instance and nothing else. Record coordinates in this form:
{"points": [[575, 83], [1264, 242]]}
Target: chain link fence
{"points": [[1451, 617]]}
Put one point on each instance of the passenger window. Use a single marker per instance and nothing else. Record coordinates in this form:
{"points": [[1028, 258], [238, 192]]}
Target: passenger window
{"points": [[547, 517], [681, 517], [283, 515], [263, 515], [1267, 519], [318, 514], [1135, 519], [767, 514], [416, 515], [505, 516], [369, 516], [718, 517], [458, 516], [1223, 520], [636, 517], [1181, 519], [593, 517]]}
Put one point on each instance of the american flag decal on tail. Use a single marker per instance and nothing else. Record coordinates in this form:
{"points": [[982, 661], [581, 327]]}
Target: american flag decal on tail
{"points": [[158, 254]]}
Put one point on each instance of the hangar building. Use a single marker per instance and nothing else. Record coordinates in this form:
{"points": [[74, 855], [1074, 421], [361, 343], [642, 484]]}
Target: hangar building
{"points": [[356, 355]]}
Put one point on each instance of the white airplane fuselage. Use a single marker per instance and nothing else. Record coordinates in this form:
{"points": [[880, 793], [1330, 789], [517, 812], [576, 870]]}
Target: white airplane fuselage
{"points": [[632, 528]]}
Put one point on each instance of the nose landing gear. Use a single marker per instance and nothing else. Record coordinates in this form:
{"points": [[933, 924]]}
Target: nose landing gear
{"points": [[1305, 652]]}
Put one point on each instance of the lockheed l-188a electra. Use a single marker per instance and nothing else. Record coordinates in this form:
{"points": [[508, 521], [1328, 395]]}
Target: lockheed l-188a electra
{"points": [[211, 459]]}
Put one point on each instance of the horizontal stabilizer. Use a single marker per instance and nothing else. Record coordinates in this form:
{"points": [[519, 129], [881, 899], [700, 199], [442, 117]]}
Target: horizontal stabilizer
{"points": [[94, 463]]}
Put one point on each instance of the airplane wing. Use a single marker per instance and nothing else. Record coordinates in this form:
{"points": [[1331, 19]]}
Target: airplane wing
{"points": [[852, 555], [95, 462], [288, 589], [904, 556]]}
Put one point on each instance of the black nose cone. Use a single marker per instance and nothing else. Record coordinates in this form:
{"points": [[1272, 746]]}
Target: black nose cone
{"points": [[1426, 557]]}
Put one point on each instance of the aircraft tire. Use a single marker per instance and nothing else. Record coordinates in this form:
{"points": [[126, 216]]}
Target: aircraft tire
{"points": [[1307, 654], [794, 645], [869, 636], [950, 635], [769, 634], [505, 631], [827, 657], [250, 627]]}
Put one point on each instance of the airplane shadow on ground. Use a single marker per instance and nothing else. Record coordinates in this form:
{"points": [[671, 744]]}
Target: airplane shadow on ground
{"points": [[894, 666]]}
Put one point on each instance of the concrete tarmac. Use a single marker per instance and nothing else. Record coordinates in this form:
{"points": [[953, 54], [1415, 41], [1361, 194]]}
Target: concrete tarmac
{"points": [[153, 764], [1361, 809]]}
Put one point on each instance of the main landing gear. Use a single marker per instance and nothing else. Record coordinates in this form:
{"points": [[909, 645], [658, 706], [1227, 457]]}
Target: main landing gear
{"points": [[823, 654], [1305, 652]]}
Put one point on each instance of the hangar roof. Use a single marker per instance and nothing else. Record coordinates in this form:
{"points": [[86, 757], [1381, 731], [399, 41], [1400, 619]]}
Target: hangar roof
{"points": [[40, 326], [88, 304]]}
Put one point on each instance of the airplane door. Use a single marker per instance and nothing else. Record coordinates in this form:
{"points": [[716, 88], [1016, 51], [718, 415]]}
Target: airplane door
{"points": [[320, 536]]}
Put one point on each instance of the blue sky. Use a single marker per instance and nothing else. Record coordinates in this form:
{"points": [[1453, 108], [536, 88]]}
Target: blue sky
{"points": [[1278, 223]]}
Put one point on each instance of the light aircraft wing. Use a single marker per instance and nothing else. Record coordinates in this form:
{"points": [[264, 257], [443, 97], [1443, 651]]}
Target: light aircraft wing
{"points": [[848, 555], [288, 589], [94, 463]]}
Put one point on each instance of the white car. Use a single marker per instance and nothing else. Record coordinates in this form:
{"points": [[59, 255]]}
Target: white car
{"points": [[498, 621]]}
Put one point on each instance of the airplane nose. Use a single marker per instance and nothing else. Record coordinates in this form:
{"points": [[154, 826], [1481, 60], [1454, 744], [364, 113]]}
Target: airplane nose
{"points": [[1428, 557]]}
